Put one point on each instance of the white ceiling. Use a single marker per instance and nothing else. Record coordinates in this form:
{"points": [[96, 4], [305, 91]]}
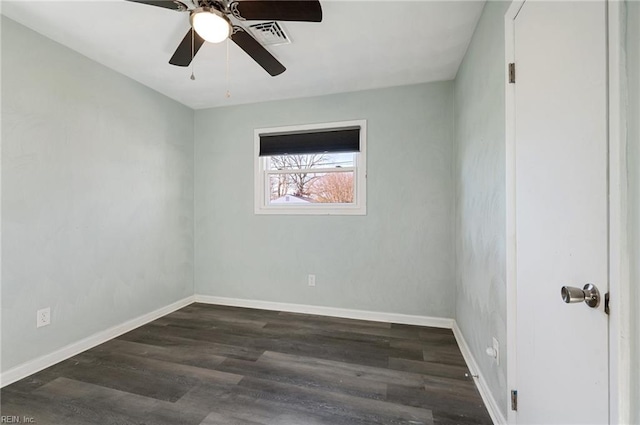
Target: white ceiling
{"points": [[358, 45]]}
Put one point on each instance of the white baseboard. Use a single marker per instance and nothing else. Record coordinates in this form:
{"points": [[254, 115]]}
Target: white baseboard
{"points": [[25, 369], [375, 316], [489, 401]]}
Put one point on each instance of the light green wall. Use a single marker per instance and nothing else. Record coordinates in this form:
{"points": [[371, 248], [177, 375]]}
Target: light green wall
{"points": [[633, 155], [398, 258], [481, 305], [97, 196]]}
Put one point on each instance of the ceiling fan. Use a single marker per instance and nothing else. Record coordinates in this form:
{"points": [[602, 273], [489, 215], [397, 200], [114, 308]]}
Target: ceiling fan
{"points": [[210, 22]]}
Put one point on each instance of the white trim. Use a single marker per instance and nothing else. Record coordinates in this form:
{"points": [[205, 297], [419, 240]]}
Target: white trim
{"points": [[374, 316], [485, 392], [261, 190], [32, 366], [313, 170], [510, 201], [619, 280]]}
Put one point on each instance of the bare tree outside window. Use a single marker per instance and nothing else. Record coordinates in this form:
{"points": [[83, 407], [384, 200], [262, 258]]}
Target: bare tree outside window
{"points": [[334, 188], [297, 184], [279, 185]]}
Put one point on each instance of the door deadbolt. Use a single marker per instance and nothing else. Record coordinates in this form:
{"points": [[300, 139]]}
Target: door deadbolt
{"points": [[589, 294]]}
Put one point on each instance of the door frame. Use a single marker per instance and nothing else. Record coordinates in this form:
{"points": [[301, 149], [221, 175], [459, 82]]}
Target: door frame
{"points": [[619, 318]]}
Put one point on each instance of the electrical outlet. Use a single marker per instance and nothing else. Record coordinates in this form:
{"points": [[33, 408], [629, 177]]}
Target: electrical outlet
{"points": [[43, 317], [312, 280], [496, 349]]}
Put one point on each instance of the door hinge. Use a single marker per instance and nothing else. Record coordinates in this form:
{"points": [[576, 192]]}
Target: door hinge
{"points": [[514, 400], [606, 303], [512, 73]]}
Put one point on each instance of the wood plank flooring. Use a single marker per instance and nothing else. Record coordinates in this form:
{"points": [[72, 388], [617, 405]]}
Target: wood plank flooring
{"points": [[215, 365]]}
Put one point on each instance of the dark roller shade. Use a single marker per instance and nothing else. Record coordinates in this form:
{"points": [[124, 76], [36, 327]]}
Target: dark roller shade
{"points": [[342, 140]]}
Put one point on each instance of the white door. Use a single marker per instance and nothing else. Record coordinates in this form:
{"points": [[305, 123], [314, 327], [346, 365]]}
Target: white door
{"points": [[561, 211]]}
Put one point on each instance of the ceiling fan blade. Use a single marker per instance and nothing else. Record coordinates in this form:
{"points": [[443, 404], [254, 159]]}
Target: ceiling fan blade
{"points": [[254, 49], [277, 10], [184, 53], [167, 4]]}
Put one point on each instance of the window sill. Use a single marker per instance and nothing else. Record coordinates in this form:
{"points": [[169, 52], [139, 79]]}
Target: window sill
{"points": [[333, 210]]}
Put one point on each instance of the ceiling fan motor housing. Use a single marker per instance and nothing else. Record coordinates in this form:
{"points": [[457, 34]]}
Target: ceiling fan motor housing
{"points": [[210, 23]]}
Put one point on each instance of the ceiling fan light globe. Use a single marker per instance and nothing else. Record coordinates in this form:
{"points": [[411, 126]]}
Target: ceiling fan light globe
{"points": [[210, 24]]}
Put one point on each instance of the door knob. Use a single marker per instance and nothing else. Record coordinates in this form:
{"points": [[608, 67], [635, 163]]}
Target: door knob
{"points": [[589, 294]]}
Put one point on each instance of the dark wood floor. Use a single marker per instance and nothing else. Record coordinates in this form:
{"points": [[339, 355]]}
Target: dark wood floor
{"points": [[220, 365]]}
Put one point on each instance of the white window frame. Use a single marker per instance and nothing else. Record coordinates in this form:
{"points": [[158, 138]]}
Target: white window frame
{"points": [[262, 189]]}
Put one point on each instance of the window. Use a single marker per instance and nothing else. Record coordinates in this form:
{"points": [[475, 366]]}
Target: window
{"points": [[311, 169]]}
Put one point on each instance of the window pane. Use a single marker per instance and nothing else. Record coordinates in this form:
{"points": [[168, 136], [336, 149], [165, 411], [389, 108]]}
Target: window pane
{"points": [[312, 188], [321, 160]]}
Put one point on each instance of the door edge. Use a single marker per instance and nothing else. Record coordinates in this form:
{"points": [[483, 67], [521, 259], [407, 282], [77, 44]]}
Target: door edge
{"points": [[510, 159], [619, 279]]}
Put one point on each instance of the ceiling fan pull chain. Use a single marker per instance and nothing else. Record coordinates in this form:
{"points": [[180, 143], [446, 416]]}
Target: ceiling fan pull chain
{"points": [[228, 93], [193, 77]]}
